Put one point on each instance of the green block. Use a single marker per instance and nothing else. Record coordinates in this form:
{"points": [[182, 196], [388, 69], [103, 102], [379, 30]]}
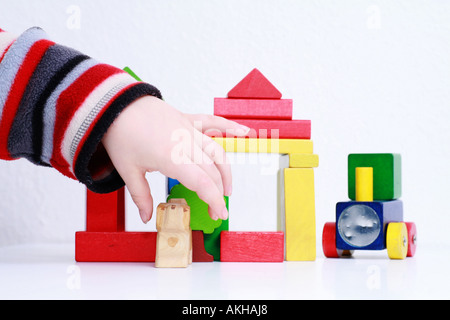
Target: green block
{"points": [[200, 219], [387, 174], [212, 241]]}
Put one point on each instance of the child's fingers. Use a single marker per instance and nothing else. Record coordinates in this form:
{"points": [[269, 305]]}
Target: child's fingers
{"points": [[217, 154], [208, 165], [196, 179], [210, 123], [140, 192]]}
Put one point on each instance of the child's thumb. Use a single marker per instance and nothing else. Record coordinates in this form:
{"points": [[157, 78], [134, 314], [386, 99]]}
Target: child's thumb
{"points": [[140, 192]]}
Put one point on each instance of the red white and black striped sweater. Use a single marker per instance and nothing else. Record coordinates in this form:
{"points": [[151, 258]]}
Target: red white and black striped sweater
{"points": [[57, 103]]}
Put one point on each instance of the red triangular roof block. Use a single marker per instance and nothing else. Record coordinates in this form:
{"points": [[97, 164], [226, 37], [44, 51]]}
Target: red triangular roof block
{"points": [[254, 86]]}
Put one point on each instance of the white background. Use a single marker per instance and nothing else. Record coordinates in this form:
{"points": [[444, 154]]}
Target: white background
{"points": [[373, 76]]}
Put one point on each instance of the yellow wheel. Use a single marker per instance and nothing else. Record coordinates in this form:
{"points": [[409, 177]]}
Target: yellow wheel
{"points": [[397, 240]]}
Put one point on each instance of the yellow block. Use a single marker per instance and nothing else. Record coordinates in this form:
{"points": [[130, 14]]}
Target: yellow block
{"points": [[303, 160], [364, 184], [300, 217], [256, 145], [397, 240]]}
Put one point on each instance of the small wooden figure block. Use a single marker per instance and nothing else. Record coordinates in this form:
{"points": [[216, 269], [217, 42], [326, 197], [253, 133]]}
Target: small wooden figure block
{"points": [[174, 240], [258, 145], [105, 212], [275, 109], [237, 246], [277, 129], [300, 217], [255, 86], [364, 184]]}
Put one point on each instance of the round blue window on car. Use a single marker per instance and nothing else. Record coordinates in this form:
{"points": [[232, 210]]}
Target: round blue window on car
{"points": [[359, 225]]}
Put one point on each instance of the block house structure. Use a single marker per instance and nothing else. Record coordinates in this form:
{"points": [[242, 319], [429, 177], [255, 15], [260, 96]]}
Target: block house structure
{"points": [[257, 104]]}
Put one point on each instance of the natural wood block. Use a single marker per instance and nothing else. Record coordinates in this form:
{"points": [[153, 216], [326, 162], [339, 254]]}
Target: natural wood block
{"points": [[174, 240]]}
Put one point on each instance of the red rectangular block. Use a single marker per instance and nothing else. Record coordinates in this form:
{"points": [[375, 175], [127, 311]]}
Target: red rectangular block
{"points": [[260, 246], [115, 246], [253, 108], [277, 129], [105, 212], [128, 247]]}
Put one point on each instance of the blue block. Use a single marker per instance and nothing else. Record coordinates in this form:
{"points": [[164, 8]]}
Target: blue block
{"points": [[362, 225], [170, 184]]}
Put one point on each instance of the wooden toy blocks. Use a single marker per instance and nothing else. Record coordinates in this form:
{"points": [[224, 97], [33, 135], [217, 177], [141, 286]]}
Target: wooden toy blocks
{"points": [[386, 174], [174, 239], [239, 246], [115, 246], [375, 220], [280, 109], [300, 214], [254, 86], [362, 225], [276, 129], [105, 212], [280, 146]]}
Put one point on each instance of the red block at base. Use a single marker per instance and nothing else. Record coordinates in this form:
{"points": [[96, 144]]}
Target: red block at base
{"points": [[240, 246], [115, 246], [128, 247], [280, 109], [277, 129]]}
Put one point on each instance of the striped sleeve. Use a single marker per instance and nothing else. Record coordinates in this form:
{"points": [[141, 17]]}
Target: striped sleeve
{"points": [[57, 103]]}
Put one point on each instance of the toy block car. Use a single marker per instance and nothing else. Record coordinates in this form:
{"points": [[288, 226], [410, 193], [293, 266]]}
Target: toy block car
{"points": [[367, 223]]}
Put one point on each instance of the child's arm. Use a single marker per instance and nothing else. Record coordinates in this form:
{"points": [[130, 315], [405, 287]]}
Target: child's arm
{"points": [[57, 104]]}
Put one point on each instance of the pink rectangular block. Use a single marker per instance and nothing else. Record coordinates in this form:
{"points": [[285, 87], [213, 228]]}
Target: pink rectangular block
{"points": [[277, 129], [253, 108], [258, 246]]}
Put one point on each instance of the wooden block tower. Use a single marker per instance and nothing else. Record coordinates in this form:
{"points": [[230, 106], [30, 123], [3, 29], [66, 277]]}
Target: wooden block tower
{"points": [[258, 104]]}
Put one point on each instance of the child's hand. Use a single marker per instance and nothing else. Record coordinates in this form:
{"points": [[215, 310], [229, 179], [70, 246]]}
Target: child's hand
{"points": [[150, 135]]}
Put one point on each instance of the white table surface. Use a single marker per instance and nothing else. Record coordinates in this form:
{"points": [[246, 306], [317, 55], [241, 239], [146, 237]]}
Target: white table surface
{"points": [[50, 272]]}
